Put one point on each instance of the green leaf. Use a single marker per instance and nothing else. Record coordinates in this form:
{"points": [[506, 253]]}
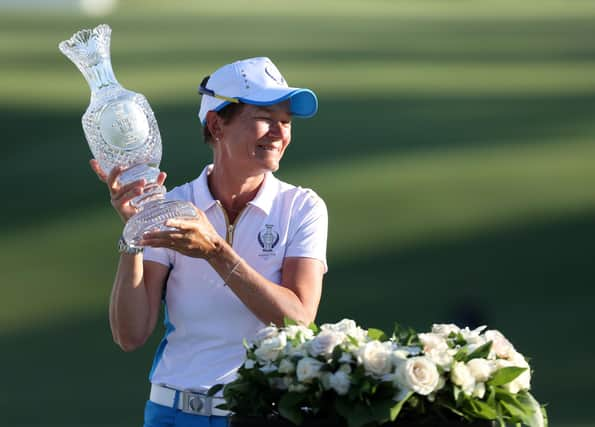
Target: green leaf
{"points": [[481, 352], [461, 355], [289, 407], [246, 344], [458, 395], [537, 417], [506, 375], [312, 326], [405, 336], [513, 410], [458, 338], [337, 353], [483, 410], [288, 322], [491, 396], [377, 334], [452, 408], [353, 341], [213, 390], [394, 411]]}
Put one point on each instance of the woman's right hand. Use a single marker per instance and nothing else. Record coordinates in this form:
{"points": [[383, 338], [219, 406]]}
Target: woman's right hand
{"points": [[121, 195]]}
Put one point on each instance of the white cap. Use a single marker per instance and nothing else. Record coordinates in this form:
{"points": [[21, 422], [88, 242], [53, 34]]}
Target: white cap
{"points": [[255, 81]]}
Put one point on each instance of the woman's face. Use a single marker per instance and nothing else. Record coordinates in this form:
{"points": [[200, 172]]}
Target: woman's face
{"points": [[254, 141]]}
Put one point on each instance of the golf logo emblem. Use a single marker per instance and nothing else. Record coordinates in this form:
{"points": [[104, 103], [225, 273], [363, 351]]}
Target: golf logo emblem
{"points": [[274, 74], [268, 238]]}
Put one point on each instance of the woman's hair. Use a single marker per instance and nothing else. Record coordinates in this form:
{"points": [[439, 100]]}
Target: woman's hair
{"points": [[227, 113]]}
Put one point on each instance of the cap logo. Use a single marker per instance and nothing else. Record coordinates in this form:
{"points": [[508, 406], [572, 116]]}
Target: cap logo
{"points": [[274, 74]]}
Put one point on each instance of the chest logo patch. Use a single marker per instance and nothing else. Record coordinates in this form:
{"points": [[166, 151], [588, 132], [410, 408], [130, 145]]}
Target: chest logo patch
{"points": [[268, 238]]}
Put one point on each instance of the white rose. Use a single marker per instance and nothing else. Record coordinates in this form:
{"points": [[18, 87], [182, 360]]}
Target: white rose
{"points": [[340, 382], [348, 327], [442, 358], [479, 390], [474, 338], [249, 364], [461, 376], [520, 383], [345, 326], [523, 381], [376, 358], [501, 347], [299, 351], [436, 348], [433, 341], [445, 329], [324, 343], [308, 369], [286, 367], [481, 369], [264, 333], [517, 359], [418, 374], [294, 331], [269, 348]]}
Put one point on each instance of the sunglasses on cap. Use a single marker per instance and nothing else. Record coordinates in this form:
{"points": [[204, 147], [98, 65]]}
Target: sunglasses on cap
{"points": [[203, 90]]}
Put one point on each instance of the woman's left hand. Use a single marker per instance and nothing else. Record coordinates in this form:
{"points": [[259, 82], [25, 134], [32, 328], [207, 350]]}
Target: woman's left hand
{"points": [[195, 237]]}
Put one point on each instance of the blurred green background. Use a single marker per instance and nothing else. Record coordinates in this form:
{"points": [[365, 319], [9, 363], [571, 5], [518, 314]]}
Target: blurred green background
{"points": [[454, 146]]}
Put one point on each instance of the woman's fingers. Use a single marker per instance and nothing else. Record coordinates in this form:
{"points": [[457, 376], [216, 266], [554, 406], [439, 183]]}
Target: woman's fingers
{"points": [[112, 179], [181, 223], [164, 239], [161, 178], [124, 197], [98, 171], [126, 191]]}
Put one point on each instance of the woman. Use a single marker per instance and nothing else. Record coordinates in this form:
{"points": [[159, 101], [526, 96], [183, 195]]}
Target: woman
{"points": [[254, 254]]}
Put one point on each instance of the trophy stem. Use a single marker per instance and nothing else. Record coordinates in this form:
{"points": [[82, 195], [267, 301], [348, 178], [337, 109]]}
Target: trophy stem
{"points": [[100, 76], [152, 190]]}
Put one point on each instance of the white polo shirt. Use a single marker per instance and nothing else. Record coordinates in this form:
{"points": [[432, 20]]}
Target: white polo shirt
{"points": [[205, 321]]}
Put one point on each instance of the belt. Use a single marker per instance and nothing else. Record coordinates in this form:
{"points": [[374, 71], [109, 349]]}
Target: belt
{"points": [[191, 402]]}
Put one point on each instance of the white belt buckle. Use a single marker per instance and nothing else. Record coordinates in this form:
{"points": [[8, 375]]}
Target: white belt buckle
{"points": [[196, 403]]}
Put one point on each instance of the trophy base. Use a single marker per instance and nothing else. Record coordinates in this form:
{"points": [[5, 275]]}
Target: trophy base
{"points": [[152, 218]]}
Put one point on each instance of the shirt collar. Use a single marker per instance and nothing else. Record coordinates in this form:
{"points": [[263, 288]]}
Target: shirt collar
{"points": [[202, 194], [266, 194], [263, 200]]}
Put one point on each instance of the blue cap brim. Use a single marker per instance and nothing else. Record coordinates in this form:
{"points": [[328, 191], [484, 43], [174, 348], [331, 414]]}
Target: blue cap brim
{"points": [[304, 103]]}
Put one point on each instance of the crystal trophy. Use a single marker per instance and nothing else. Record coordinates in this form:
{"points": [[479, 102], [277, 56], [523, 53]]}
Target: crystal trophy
{"points": [[121, 130]]}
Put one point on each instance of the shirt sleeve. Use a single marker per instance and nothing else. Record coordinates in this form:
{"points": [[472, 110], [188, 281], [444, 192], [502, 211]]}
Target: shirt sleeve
{"points": [[160, 255], [311, 230]]}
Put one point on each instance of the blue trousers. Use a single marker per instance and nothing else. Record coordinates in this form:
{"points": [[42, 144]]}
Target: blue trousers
{"points": [[162, 416]]}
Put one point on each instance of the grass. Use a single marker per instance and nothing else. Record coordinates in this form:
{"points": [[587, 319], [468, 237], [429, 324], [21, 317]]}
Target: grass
{"points": [[454, 148]]}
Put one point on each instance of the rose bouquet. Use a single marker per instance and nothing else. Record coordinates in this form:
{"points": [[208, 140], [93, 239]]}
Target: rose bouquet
{"points": [[364, 377]]}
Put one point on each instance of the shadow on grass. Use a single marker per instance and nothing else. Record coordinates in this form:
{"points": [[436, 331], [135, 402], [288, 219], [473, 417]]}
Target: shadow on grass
{"points": [[45, 156], [531, 282]]}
